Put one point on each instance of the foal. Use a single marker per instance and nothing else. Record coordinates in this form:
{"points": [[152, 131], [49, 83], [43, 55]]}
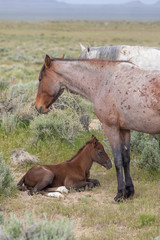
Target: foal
{"points": [[73, 173]]}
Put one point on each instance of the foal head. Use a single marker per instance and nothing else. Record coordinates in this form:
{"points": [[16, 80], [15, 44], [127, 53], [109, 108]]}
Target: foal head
{"points": [[99, 155]]}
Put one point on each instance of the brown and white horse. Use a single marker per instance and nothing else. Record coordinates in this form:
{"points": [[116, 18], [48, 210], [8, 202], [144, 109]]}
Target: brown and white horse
{"points": [[124, 96]]}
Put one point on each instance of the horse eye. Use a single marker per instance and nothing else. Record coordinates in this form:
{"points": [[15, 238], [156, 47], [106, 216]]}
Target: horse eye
{"points": [[99, 151]]}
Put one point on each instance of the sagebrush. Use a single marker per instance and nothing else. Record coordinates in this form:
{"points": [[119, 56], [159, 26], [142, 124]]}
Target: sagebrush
{"points": [[6, 178], [31, 228]]}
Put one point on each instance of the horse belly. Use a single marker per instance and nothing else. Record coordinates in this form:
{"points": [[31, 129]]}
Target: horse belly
{"points": [[58, 181], [138, 102], [142, 120]]}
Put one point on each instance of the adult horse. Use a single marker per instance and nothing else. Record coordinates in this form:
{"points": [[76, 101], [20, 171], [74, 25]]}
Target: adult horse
{"points": [[73, 173], [144, 57], [124, 96]]}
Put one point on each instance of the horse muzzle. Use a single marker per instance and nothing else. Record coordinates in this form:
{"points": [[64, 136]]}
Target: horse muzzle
{"points": [[108, 165], [42, 110]]}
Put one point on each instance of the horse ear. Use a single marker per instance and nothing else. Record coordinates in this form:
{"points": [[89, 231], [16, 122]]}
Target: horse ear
{"points": [[63, 56], [47, 61], [82, 47], [94, 140]]}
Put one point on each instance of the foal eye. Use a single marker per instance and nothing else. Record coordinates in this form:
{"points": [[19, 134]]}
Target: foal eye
{"points": [[99, 151]]}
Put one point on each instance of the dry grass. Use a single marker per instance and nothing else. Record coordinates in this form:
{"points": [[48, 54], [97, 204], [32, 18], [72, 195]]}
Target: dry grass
{"points": [[95, 214]]}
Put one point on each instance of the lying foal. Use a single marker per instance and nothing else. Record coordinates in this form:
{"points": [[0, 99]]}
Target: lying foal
{"points": [[73, 173]]}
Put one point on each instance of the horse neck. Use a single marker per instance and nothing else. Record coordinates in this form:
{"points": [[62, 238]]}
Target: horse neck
{"points": [[79, 77], [83, 160]]}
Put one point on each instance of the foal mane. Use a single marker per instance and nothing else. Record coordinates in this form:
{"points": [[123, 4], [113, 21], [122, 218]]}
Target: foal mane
{"points": [[80, 150]]}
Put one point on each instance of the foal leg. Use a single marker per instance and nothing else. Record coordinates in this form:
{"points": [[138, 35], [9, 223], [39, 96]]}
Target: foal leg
{"points": [[113, 134], [46, 180], [77, 184], [94, 181], [129, 187]]}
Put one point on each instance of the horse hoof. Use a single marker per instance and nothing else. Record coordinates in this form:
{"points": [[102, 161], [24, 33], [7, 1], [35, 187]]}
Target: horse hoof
{"points": [[129, 192], [119, 197]]}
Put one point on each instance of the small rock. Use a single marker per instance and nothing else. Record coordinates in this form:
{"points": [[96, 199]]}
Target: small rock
{"points": [[21, 157], [95, 125]]}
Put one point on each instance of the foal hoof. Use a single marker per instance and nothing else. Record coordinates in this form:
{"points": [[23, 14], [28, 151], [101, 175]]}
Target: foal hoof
{"points": [[96, 183], [129, 192], [30, 193], [90, 185]]}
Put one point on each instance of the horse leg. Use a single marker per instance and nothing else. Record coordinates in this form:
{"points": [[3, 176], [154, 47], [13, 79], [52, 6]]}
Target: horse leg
{"points": [[113, 134], [46, 180], [94, 181], [129, 187]]}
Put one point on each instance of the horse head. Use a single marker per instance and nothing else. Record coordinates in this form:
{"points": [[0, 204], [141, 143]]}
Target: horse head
{"points": [[49, 88], [99, 155]]}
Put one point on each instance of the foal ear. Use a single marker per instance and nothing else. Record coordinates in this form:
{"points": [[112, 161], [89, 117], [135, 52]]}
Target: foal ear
{"points": [[47, 61], [94, 140]]}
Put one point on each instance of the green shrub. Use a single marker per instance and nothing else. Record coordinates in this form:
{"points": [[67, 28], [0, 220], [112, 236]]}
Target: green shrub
{"points": [[6, 178], [148, 147], [157, 238], [145, 219], [62, 124], [16, 72], [26, 89], [150, 156], [3, 85], [1, 218], [9, 122], [138, 141], [16, 106], [33, 229], [78, 104], [14, 227]]}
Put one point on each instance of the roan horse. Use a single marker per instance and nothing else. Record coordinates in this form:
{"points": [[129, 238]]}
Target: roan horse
{"points": [[73, 173], [124, 96]]}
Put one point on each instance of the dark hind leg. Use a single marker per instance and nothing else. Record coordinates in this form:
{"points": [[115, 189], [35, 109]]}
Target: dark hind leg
{"points": [[46, 180], [129, 187], [113, 134]]}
